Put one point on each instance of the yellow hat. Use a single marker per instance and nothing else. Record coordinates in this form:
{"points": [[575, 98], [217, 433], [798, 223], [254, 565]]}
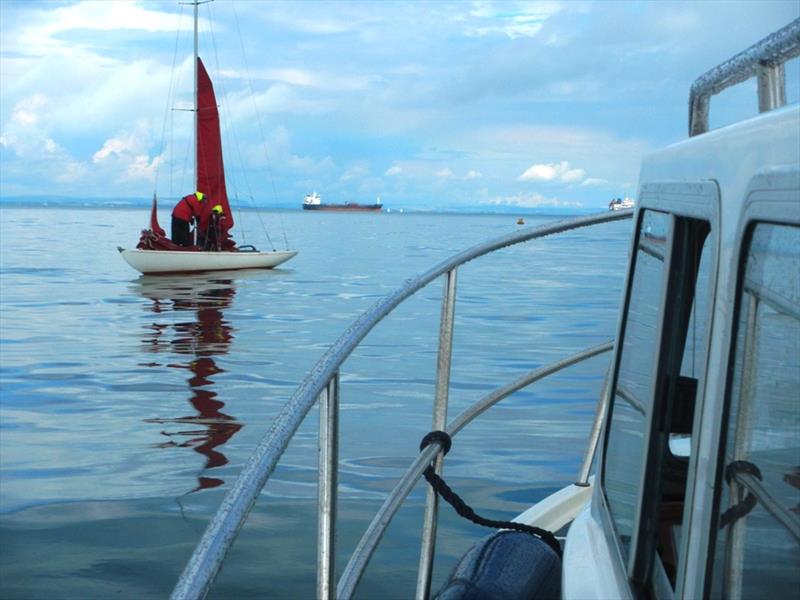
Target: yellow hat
{"points": [[217, 209], [200, 196]]}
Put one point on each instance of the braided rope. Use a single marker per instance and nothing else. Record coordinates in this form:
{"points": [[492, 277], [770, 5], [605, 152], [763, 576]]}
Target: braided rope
{"points": [[466, 511]]}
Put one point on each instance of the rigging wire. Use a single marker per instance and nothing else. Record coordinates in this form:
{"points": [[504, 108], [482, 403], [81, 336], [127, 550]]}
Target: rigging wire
{"points": [[185, 168], [235, 137], [167, 110], [170, 111], [259, 121], [225, 122], [187, 149]]}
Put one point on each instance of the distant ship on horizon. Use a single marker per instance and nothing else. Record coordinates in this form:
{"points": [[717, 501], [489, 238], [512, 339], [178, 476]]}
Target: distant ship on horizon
{"points": [[620, 204], [313, 201]]}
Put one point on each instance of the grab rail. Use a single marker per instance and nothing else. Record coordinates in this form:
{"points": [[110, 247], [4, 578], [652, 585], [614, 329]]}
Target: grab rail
{"points": [[369, 541], [764, 60], [783, 515], [209, 554]]}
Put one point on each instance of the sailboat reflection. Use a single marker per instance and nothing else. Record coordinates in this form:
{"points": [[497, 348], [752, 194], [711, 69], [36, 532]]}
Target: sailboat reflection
{"points": [[203, 338]]}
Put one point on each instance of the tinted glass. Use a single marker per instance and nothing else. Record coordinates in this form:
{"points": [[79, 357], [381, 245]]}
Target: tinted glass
{"points": [[756, 553], [633, 392]]}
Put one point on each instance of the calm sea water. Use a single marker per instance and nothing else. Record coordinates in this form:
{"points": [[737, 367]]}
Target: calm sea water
{"points": [[129, 404]]}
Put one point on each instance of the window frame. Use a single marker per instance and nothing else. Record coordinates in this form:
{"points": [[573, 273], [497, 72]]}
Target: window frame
{"points": [[680, 200], [771, 198]]}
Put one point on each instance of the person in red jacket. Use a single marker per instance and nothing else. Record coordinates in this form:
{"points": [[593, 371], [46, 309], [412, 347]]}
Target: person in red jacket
{"points": [[189, 208]]}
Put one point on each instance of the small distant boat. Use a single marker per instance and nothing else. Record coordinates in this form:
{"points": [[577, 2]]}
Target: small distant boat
{"points": [[313, 201], [620, 204], [520, 221]]}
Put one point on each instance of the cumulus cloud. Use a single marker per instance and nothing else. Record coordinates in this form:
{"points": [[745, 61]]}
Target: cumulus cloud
{"points": [[126, 143], [27, 112], [619, 160], [50, 147], [323, 81], [141, 167], [589, 181], [524, 19], [71, 171], [126, 154], [32, 149], [533, 200], [405, 110], [277, 150], [113, 147], [44, 33], [356, 171], [307, 165], [296, 17], [27, 131], [553, 172]]}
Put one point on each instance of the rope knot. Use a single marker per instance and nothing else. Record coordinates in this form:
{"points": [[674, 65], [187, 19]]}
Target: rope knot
{"points": [[437, 436]]}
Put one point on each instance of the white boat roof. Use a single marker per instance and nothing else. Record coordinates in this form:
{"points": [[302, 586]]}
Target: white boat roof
{"points": [[731, 156]]}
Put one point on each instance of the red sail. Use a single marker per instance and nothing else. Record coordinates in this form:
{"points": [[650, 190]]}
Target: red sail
{"points": [[154, 226], [210, 171]]}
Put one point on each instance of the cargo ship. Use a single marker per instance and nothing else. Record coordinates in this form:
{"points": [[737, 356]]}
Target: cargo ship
{"points": [[313, 201]]}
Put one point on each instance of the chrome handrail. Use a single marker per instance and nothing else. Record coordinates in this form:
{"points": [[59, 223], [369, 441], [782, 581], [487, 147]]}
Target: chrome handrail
{"points": [[328, 479], [209, 554], [764, 60], [782, 515], [372, 536], [429, 522], [775, 301]]}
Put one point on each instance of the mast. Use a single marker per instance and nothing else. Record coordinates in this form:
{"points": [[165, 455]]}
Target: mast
{"points": [[196, 3], [195, 55]]}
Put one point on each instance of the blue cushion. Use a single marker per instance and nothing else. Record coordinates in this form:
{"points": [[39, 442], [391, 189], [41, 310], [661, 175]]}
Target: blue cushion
{"points": [[509, 565]]}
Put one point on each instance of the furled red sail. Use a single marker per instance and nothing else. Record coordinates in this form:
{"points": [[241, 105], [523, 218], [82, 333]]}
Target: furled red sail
{"points": [[210, 171], [155, 238], [154, 226]]}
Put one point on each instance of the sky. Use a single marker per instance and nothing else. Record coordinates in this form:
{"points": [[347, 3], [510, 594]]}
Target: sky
{"points": [[427, 105]]}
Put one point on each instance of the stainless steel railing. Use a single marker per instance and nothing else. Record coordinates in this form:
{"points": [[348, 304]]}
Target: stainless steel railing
{"points": [[369, 542], [763, 60], [321, 384]]}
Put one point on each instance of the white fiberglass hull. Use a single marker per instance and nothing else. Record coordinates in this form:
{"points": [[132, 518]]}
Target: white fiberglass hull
{"points": [[170, 261]]}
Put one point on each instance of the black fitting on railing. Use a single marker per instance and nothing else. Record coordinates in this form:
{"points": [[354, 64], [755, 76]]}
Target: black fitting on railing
{"points": [[437, 436], [742, 466], [746, 504], [463, 509]]}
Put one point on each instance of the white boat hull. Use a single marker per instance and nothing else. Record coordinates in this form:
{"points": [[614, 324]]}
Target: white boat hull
{"points": [[170, 261]]}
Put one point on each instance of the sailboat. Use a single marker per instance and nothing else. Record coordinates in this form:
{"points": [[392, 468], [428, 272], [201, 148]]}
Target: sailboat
{"points": [[155, 252]]}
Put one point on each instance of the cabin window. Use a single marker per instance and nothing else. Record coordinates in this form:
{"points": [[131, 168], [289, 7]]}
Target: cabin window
{"points": [[625, 448], [660, 369], [681, 375], [757, 548]]}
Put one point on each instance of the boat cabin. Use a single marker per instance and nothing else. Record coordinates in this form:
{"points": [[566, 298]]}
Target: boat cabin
{"points": [[698, 473]]}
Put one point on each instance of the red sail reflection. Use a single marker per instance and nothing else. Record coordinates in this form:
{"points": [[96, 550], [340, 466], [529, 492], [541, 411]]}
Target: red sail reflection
{"points": [[207, 335]]}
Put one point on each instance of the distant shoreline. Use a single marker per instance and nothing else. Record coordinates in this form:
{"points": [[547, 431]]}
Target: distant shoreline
{"points": [[135, 203]]}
